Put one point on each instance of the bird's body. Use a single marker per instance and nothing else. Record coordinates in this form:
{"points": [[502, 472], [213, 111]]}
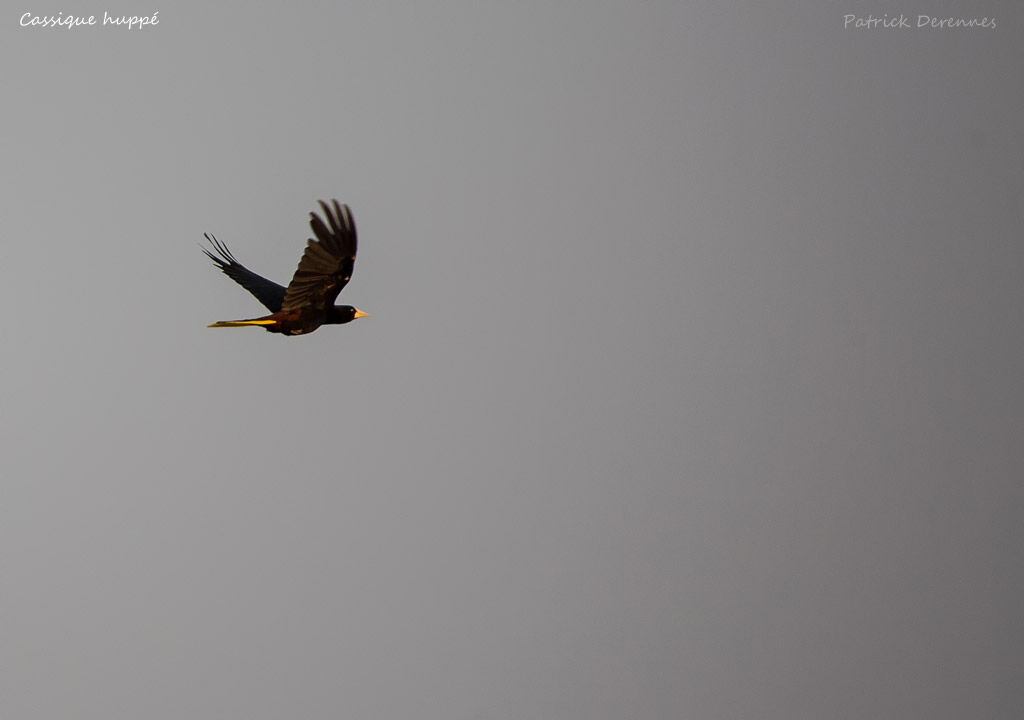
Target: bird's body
{"points": [[298, 322], [308, 301]]}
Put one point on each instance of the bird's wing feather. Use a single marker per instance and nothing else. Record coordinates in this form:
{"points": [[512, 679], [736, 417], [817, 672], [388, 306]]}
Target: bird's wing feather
{"points": [[269, 293], [327, 263]]}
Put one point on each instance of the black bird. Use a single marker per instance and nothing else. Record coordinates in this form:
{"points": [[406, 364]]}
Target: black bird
{"points": [[308, 301]]}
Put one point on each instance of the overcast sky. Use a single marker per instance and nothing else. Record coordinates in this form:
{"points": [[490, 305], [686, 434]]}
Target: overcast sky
{"points": [[691, 387]]}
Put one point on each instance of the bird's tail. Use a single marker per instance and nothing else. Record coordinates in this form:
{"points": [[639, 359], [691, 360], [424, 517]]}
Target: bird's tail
{"points": [[243, 323]]}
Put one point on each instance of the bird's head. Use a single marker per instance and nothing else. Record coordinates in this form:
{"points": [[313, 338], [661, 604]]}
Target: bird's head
{"points": [[341, 314]]}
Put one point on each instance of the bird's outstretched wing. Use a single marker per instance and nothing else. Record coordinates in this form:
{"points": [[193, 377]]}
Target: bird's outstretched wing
{"points": [[327, 262], [269, 293]]}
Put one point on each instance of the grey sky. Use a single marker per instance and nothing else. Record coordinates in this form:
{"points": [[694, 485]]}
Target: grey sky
{"points": [[691, 387]]}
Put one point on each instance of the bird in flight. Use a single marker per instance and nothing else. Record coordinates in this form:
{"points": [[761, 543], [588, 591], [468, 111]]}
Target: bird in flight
{"points": [[308, 301]]}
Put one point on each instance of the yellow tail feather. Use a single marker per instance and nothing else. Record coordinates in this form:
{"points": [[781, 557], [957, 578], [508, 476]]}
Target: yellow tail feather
{"points": [[242, 323]]}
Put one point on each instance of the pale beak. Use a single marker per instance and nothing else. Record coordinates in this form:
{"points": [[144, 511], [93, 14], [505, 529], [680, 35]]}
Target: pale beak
{"points": [[359, 314]]}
